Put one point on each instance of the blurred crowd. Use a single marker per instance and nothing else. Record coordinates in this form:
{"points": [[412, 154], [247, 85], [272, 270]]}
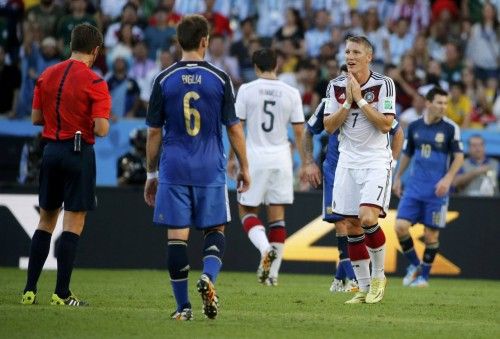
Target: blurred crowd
{"points": [[455, 44], [419, 43]]}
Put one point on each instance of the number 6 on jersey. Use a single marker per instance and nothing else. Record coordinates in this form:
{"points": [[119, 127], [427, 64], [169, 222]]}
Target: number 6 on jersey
{"points": [[191, 115]]}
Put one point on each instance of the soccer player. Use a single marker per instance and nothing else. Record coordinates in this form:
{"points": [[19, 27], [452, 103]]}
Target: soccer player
{"points": [[267, 106], [345, 279], [73, 105], [364, 114], [431, 141], [191, 100]]}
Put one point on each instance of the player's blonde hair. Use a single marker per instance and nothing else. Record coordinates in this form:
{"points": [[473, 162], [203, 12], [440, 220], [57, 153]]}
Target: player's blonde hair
{"points": [[360, 39]]}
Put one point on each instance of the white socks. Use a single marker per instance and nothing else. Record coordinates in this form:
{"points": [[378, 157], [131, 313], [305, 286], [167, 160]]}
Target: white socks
{"points": [[275, 266], [377, 256], [362, 271], [258, 237]]}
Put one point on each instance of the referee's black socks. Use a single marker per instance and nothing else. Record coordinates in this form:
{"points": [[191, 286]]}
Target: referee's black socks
{"points": [[65, 258], [39, 250]]}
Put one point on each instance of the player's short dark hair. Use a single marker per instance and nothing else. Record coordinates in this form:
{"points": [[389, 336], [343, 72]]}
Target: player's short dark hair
{"points": [[191, 30], [85, 38], [264, 59], [435, 91], [360, 39]]}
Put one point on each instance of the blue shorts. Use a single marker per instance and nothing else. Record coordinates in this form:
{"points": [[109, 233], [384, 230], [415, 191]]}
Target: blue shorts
{"points": [[430, 212], [328, 178], [180, 206]]}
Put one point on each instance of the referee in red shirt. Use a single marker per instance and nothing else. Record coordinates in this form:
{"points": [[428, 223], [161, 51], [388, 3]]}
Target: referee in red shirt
{"points": [[73, 105]]}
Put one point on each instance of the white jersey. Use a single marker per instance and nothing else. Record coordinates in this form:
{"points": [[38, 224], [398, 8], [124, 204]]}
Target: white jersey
{"points": [[361, 144], [267, 107]]}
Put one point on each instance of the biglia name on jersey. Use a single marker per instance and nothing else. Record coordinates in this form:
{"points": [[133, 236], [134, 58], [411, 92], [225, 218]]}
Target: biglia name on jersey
{"points": [[191, 79]]}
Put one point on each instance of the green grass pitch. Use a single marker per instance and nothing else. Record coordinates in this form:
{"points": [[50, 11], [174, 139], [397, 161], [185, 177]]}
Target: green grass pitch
{"points": [[137, 303]]}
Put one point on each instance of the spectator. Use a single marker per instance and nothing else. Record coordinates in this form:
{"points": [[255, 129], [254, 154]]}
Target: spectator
{"points": [[459, 107], [307, 77], [406, 81], [242, 9], [9, 74], [433, 78], [491, 90], [338, 10], [217, 55], [66, 24], [452, 65], [271, 17], [318, 35], [34, 61], [124, 91], [11, 12], [292, 29], [413, 113], [142, 66], [379, 37], [446, 8], [124, 46], [482, 115], [416, 12], [479, 174], [356, 26], [290, 61], [129, 16], [184, 7], [46, 14], [401, 41], [242, 50], [218, 23], [438, 36], [421, 54], [485, 39], [111, 10], [471, 85], [328, 70], [289, 78], [165, 60], [172, 17], [158, 36]]}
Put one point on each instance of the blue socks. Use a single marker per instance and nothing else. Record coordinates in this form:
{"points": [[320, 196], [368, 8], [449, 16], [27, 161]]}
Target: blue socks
{"points": [[213, 252], [178, 267], [344, 269]]}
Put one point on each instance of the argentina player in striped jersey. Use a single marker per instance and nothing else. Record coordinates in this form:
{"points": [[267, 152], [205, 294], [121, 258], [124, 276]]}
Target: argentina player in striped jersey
{"points": [[432, 141], [190, 101]]}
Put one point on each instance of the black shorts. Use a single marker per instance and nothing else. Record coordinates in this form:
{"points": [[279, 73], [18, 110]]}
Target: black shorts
{"points": [[67, 176]]}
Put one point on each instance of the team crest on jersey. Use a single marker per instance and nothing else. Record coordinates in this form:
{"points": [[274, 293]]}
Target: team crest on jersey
{"points": [[369, 96], [439, 137]]}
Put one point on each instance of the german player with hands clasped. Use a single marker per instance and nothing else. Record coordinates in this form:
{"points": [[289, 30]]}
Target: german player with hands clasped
{"points": [[362, 105]]}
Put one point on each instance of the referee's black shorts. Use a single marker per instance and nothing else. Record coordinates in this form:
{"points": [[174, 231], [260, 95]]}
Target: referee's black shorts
{"points": [[67, 176]]}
